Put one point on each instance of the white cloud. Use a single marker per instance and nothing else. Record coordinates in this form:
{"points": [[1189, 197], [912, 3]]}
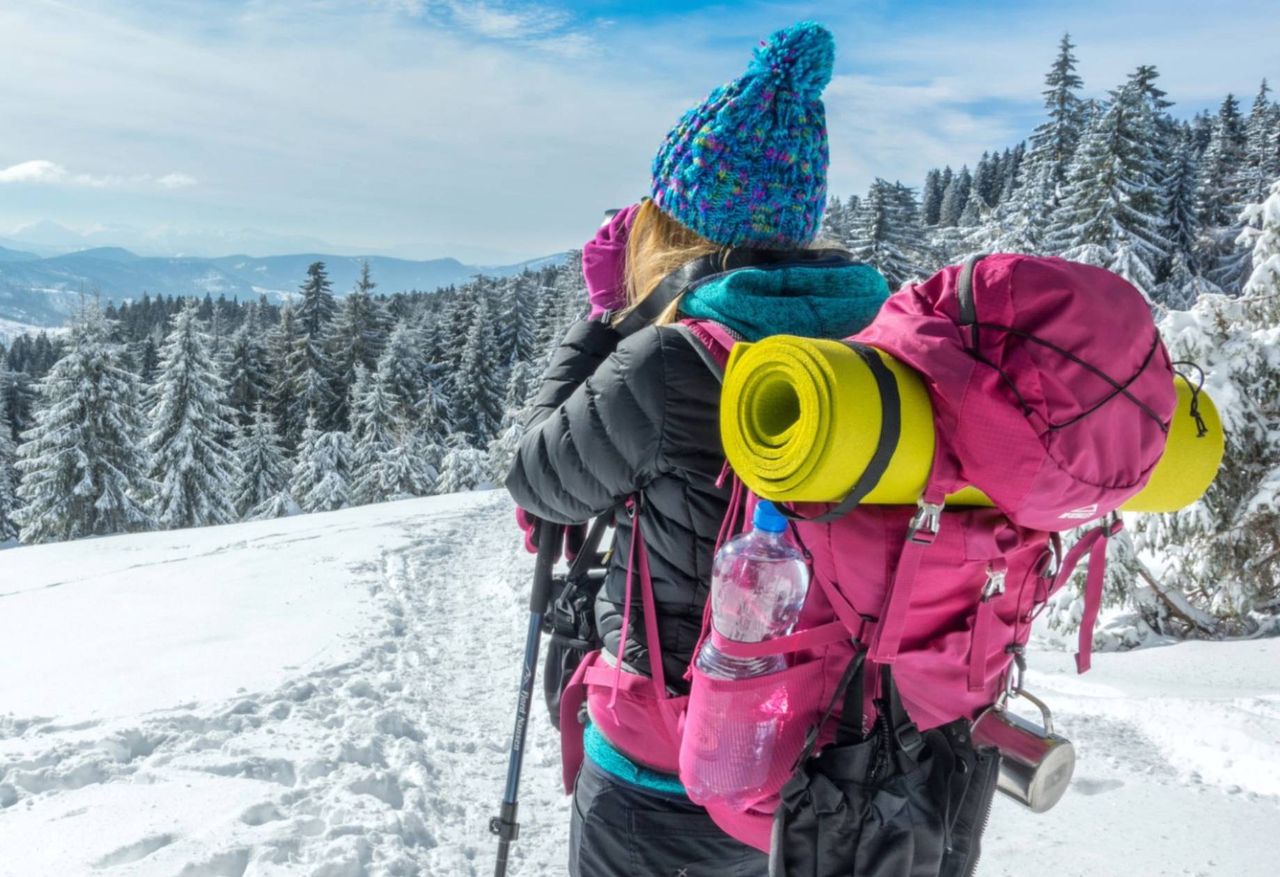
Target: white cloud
{"points": [[35, 171], [41, 171], [505, 22], [177, 180]]}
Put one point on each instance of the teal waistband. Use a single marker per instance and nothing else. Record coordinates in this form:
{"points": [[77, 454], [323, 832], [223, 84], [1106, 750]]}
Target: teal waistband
{"points": [[608, 758]]}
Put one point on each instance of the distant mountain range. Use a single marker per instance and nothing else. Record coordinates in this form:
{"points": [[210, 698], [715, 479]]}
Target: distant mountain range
{"points": [[42, 291]]}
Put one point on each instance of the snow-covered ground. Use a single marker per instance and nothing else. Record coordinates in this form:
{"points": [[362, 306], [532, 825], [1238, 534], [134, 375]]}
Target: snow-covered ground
{"points": [[332, 695]]}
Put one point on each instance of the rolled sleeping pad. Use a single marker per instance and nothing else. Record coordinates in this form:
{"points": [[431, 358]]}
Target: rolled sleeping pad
{"points": [[800, 420]]}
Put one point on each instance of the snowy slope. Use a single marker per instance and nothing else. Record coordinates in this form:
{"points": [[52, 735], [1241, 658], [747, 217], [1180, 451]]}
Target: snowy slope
{"points": [[331, 695]]}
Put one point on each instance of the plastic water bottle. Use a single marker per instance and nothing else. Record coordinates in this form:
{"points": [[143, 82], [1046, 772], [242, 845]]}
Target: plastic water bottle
{"points": [[758, 585]]}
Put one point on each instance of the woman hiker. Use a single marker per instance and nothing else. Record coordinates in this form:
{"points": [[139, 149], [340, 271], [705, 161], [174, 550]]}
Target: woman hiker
{"points": [[626, 417]]}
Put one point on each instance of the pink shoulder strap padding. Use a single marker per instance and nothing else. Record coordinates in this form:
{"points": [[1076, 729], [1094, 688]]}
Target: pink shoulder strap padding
{"points": [[717, 339]]}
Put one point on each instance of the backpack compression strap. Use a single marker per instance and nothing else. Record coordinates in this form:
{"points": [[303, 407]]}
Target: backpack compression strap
{"points": [[886, 443]]}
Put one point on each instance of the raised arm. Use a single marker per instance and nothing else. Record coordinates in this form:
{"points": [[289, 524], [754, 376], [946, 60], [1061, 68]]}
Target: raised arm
{"points": [[591, 443]]}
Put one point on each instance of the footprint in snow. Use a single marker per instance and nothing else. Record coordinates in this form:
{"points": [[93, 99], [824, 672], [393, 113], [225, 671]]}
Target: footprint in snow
{"points": [[134, 852], [1095, 787]]}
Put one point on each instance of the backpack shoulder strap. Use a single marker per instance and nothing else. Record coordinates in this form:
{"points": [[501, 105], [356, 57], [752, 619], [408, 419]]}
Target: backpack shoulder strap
{"points": [[711, 340]]}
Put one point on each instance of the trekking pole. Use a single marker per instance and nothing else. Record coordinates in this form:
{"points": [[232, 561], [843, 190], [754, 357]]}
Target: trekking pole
{"points": [[504, 825]]}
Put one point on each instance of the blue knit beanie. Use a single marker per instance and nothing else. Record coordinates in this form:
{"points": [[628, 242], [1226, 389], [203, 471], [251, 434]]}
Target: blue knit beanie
{"points": [[748, 166]]}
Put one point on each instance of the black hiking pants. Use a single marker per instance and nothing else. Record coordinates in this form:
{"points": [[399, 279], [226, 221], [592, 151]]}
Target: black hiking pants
{"points": [[622, 830]]}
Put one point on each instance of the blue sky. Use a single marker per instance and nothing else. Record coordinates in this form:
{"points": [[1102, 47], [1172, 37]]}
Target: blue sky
{"points": [[499, 130]]}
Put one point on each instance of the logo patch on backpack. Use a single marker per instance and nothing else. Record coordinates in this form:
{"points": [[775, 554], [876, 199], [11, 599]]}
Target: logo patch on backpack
{"points": [[1084, 513]]}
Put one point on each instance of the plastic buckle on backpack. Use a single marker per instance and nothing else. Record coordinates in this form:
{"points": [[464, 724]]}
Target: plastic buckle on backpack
{"points": [[925, 523], [994, 587], [909, 739]]}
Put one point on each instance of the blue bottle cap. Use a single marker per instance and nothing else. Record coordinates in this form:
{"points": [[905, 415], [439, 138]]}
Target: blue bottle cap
{"points": [[768, 518]]}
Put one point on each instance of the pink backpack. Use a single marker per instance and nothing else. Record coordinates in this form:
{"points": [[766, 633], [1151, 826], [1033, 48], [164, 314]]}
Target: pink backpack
{"points": [[1052, 394]]}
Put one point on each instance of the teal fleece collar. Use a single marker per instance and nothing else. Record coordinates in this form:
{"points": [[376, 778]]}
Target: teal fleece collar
{"points": [[812, 302]]}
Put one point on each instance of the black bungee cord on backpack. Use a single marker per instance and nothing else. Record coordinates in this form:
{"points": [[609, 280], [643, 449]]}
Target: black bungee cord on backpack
{"points": [[1196, 389]]}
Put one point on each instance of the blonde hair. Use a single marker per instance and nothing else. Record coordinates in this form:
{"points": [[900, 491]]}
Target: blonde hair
{"points": [[656, 246]]}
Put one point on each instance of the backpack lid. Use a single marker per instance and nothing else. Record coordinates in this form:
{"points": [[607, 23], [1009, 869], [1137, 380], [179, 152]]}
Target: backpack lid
{"points": [[1052, 390]]}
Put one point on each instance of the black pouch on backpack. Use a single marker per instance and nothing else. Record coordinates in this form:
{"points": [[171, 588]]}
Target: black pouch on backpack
{"points": [[891, 802], [571, 619]]}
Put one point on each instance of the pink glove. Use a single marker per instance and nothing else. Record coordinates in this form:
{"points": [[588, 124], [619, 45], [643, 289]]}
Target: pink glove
{"points": [[574, 535], [603, 258], [529, 524]]}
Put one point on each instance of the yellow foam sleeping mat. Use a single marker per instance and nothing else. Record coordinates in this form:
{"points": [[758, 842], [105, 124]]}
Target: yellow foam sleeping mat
{"points": [[800, 419]]}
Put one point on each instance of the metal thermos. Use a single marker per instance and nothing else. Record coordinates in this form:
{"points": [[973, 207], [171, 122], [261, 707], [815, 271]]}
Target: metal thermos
{"points": [[1035, 763]]}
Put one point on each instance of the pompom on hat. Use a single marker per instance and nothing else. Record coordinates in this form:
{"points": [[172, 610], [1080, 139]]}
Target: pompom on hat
{"points": [[748, 166]]}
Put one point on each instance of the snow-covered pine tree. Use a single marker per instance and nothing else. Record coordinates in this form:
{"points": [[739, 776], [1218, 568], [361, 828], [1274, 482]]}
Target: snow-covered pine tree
{"points": [[1221, 200], [931, 198], [887, 232], [569, 295], [463, 468], [248, 367], [1221, 553], [1261, 156], [316, 311], [262, 489], [1181, 186], [1182, 286], [975, 212], [476, 393], [281, 341], [307, 371], [519, 323], [357, 338], [401, 370], [17, 400], [1113, 212], [1033, 189], [82, 464], [522, 382], [835, 221], [954, 198], [194, 470], [1167, 131], [384, 465], [522, 385], [321, 479], [986, 181], [8, 483], [1054, 141], [1011, 172], [307, 367], [548, 325]]}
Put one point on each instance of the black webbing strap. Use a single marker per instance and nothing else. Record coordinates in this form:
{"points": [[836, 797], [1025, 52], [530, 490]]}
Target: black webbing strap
{"points": [[964, 296], [906, 736], [852, 717], [886, 444], [852, 678], [588, 553]]}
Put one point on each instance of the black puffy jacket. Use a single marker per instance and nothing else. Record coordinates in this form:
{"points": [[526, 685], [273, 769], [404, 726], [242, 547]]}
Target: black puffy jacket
{"points": [[614, 419]]}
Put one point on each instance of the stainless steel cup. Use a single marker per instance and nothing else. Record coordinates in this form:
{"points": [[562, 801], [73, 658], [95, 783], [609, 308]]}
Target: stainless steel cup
{"points": [[1035, 763]]}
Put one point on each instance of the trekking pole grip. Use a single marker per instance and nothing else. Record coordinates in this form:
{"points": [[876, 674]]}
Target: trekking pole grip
{"points": [[549, 538]]}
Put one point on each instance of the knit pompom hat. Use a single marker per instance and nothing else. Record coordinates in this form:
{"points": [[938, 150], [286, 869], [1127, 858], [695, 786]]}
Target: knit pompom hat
{"points": [[748, 166]]}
